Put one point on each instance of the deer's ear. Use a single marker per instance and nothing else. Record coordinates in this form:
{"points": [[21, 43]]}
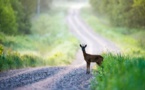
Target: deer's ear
{"points": [[80, 45], [85, 45]]}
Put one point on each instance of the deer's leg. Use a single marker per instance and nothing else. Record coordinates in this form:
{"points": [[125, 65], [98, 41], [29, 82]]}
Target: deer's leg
{"points": [[88, 68]]}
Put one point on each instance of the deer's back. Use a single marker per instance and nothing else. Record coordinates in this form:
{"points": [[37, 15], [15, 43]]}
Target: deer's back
{"points": [[94, 58]]}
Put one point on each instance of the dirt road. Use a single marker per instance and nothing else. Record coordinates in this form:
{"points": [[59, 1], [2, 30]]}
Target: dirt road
{"points": [[72, 77]]}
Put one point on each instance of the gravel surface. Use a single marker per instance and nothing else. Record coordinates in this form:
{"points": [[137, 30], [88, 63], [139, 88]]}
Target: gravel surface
{"points": [[77, 79], [31, 76], [6, 74], [51, 78]]}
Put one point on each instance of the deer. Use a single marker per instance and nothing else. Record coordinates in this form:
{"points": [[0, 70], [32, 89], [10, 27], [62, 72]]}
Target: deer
{"points": [[90, 58]]}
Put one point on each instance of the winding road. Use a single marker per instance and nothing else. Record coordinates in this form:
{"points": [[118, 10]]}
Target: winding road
{"points": [[72, 77]]}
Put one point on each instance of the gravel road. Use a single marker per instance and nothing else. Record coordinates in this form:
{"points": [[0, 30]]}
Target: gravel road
{"points": [[72, 77]]}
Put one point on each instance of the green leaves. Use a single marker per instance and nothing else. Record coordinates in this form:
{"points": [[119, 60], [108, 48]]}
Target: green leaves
{"points": [[15, 15], [7, 18], [1, 49], [128, 13], [121, 73]]}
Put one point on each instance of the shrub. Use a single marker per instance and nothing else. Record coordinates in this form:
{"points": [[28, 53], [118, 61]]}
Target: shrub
{"points": [[1, 49], [120, 73], [13, 60]]}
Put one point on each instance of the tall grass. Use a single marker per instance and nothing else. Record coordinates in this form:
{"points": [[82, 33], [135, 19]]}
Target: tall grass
{"points": [[14, 60], [120, 73]]}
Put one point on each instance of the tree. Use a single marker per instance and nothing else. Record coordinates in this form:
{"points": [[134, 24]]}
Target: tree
{"points": [[15, 15], [22, 17], [7, 18]]}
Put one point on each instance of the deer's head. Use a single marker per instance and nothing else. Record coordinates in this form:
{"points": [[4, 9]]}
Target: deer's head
{"points": [[83, 46]]}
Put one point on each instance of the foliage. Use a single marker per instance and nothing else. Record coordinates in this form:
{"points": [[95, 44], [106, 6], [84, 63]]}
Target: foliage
{"points": [[13, 18], [8, 22], [1, 49], [120, 73], [13, 60], [128, 13], [16, 14], [22, 16]]}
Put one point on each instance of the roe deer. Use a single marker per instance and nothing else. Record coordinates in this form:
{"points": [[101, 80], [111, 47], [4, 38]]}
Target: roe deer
{"points": [[91, 58]]}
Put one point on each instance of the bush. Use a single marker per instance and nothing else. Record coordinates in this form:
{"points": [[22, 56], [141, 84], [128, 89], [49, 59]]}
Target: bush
{"points": [[13, 60], [120, 73], [1, 49]]}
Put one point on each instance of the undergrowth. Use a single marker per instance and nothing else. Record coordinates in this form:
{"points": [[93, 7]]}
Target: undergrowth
{"points": [[14, 60], [120, 72]]}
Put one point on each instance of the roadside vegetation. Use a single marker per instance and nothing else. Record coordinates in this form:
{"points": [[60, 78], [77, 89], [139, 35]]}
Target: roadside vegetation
{"points": [[124, 71], [121, 72], [49, 42]]}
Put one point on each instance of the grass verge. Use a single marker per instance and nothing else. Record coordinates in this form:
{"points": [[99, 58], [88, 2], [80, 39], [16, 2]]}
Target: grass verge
{"points": [[120, 73]]}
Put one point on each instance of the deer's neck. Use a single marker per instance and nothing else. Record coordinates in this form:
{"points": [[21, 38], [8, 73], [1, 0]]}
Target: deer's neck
{"points": [[84, 52]]}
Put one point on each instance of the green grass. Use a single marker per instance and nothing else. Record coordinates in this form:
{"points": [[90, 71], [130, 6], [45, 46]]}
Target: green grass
{"points": [[124, 71], [50, 43], [14, 60], [120, 73]]}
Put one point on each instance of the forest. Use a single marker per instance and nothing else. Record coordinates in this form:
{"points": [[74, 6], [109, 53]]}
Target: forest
{"points": [[128, 13], [16, 15]]}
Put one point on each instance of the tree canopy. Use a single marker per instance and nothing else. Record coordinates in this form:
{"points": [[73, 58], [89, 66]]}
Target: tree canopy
{"points": [[128, 13], [15, 15]]}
